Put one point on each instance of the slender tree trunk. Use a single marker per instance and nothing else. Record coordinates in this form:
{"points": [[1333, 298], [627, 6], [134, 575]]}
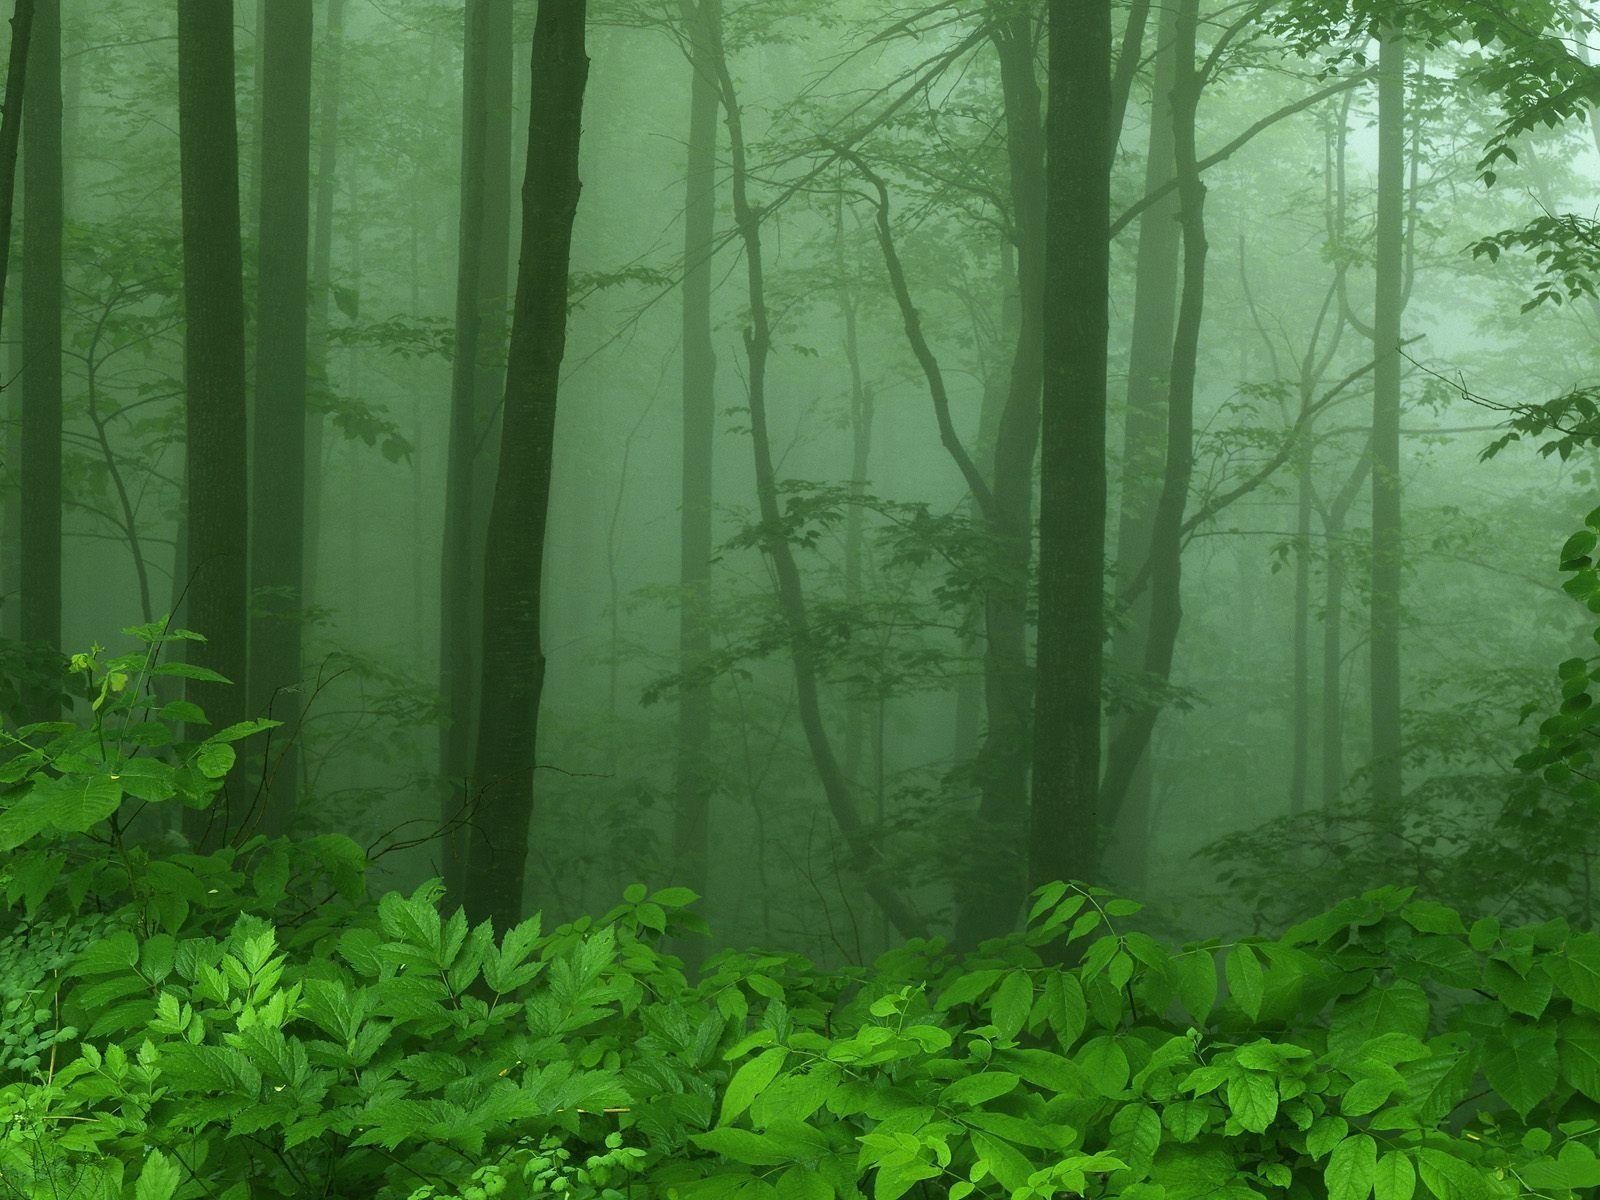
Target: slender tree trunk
{"points": [[1167, 533], [42, 220], [16, 91], [1333, 769], [1300, 666], [1387, 784], [461, 549], [214, 368], [1155, 313], [695, 768], [866, 857], [328, 101], [1062, 842], [513, 676], [991, 890], [278, 477], [857, 710], [494, 291]]}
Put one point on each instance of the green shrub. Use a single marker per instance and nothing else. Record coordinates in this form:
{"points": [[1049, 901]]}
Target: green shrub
{"points": [[251, 1024]]}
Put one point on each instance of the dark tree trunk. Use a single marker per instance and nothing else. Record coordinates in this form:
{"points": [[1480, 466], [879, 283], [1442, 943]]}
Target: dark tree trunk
{"points": [[513, 676], [1333, 777], [214, 369], [991, 890], [278, 469], [42, 220], [1155, 313], [459, 568], [1389, 302], [22, 18], [695, 768], [1062, 841]]}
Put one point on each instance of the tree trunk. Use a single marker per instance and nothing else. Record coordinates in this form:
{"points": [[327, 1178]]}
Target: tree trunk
{"points": [[991, 891], [22, 18], [857, 709], [278, 469], [328, 102], [1389, 302], [695, 768], [1062, 840], [1167, 533], [1155, 313], [513, 676], [214, 369], [42, 220], [461, 549]]}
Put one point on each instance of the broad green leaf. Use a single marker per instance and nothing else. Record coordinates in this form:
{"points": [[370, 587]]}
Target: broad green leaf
{"points": [[1352, 1168], [1396, 1178], [1521, 1064], [1010, 1005], [1245, 979], [749, 1081], [1253, 1099], [974, 1090], [1196, 974]]}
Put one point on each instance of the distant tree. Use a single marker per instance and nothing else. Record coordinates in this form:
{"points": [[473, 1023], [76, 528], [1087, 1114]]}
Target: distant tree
{"points": [[512, 672], [277, 511], [42, 222], [214, 370]]}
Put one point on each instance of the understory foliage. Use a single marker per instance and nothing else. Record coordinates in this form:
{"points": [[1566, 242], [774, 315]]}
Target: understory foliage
{"points": [[251, 1023]]}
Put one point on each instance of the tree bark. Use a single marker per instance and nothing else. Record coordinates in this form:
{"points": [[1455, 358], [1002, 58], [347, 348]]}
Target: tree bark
{"points": [[1167, 533], [278, 474], [695, 781], [214, 370], [1387, 782], [1062, 841], [462, 550], [1155, 313], [990, 892], [42, 220], [22, 17], [512, 677]]}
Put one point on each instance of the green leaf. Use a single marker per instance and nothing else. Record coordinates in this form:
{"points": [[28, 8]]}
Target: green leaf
{"points": [[1352, 1168], [973, 1090], [1401, 1007], [964, 989], [1450, 1178], [159, 1179], [742, 1146], [1577, 971], [1011, 1004], [1065, 1007], [1253, 1099], [1245, 982], [1579, 1054], [749, 1081], [1006, 1163], [1196, 975], [214, 759], [1521, 1065], [1396, 1178]]}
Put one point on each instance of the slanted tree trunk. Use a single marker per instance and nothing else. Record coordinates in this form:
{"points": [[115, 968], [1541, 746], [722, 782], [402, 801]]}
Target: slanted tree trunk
{"points": [[1072, 497], [214, 371], [513, 676], [695, 780], [1155, 313], [278, 478], [22, 17], [865, 857], [40, 381], [1389, 303]]}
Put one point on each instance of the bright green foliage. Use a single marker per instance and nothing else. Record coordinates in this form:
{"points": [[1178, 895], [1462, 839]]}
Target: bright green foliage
{"points": [[256, 1046]]}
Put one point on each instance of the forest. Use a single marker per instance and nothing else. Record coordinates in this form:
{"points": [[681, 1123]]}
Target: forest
{"points": [[799, 599]]}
